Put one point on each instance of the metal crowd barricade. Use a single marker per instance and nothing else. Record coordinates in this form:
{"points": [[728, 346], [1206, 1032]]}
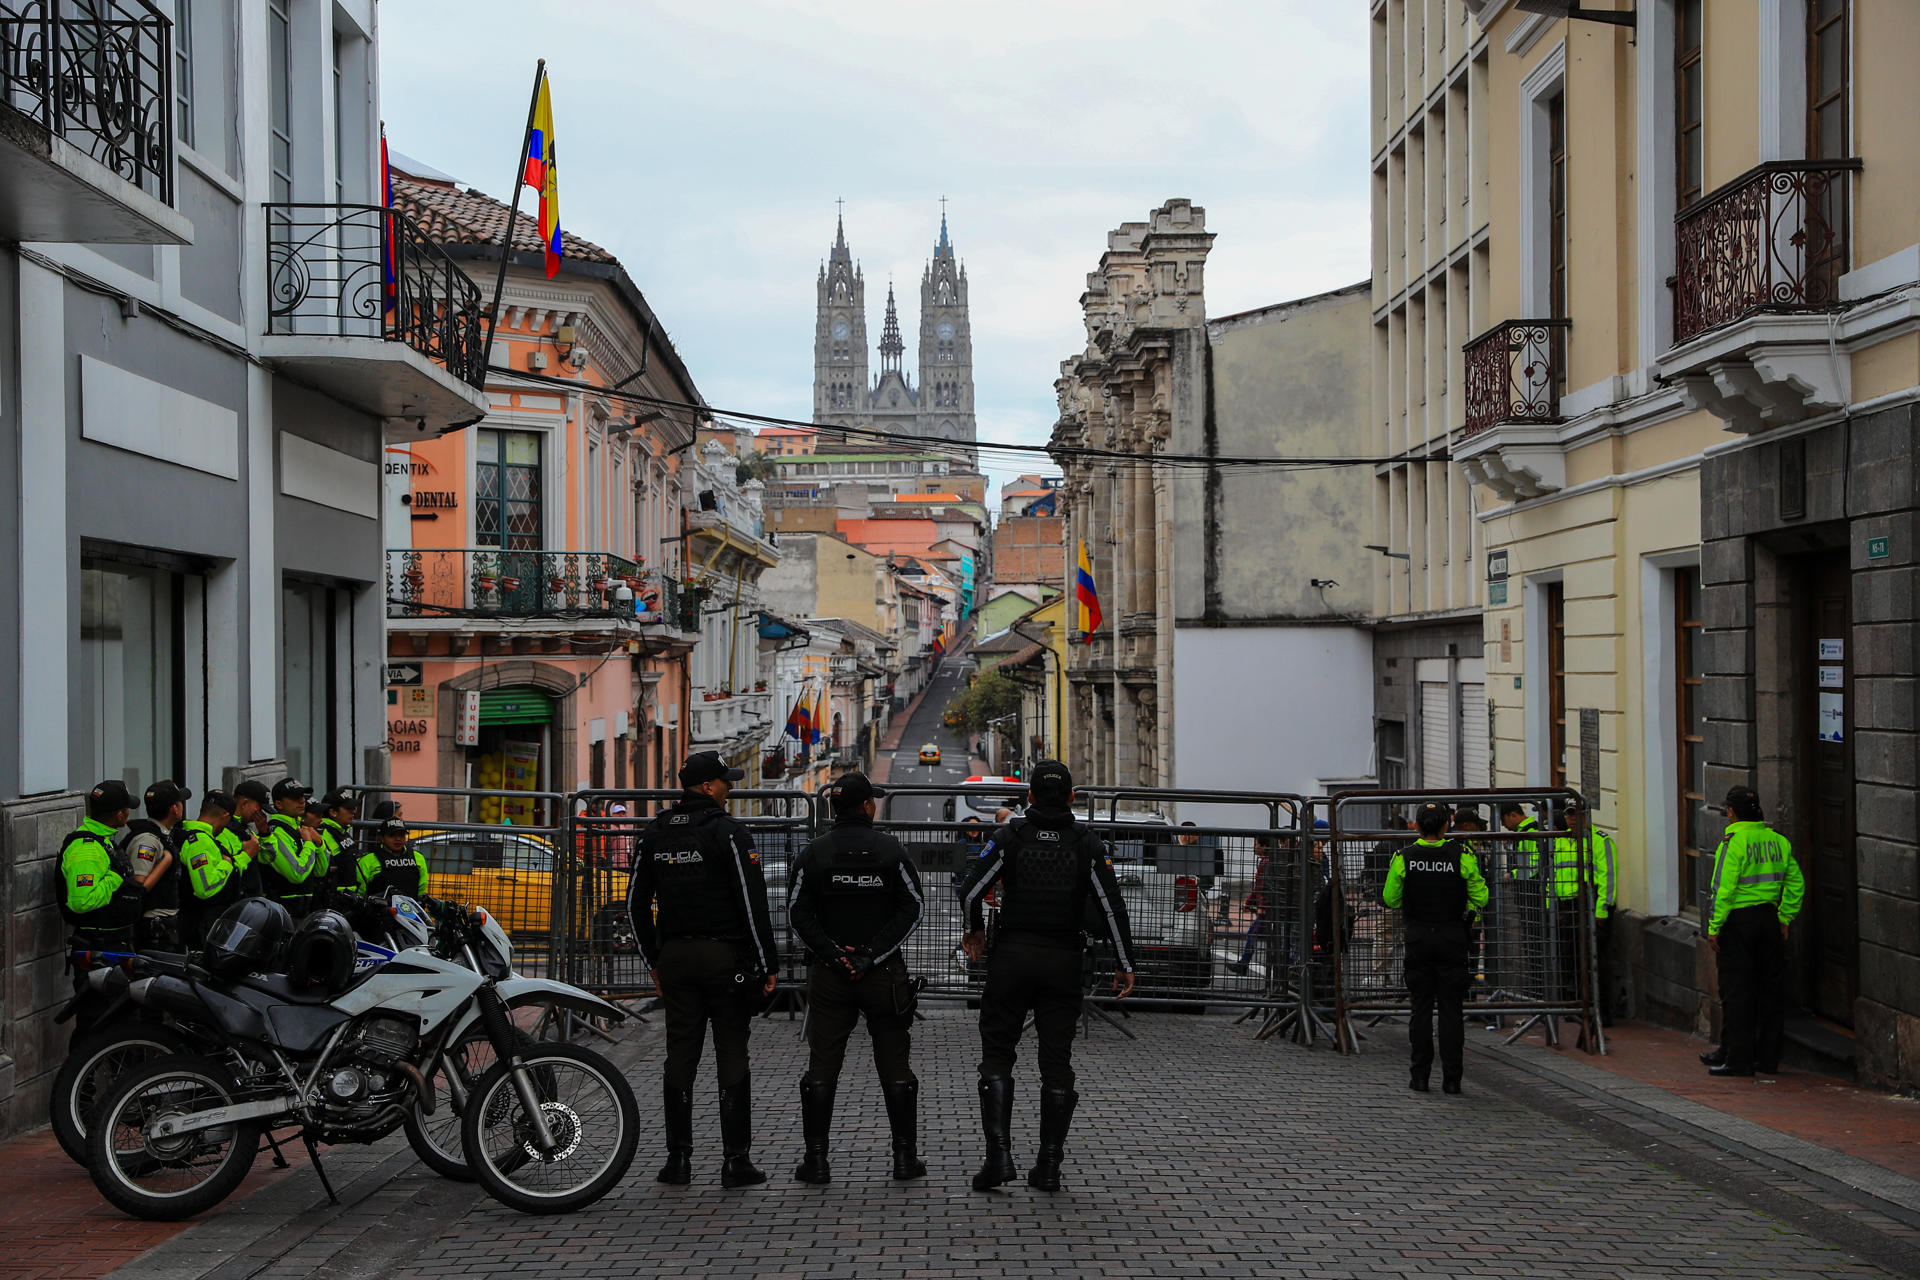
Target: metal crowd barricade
{"points": [[517, 871], [1532, 956], [603, 835], [1216, 911]]}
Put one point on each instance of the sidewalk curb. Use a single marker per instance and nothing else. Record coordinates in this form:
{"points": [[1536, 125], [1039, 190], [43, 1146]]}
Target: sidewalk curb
{"points": [[1896, 1196]]}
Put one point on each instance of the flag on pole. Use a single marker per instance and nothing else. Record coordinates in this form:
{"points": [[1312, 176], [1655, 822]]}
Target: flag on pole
{"points": [[813, 719], [1086, 596], [390, 282], [797, 719], [543, 175]]}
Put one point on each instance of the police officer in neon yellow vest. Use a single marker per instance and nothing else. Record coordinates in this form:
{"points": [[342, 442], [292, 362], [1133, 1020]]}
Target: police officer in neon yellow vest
{"points": [[1757, 892], [1605, 861]]}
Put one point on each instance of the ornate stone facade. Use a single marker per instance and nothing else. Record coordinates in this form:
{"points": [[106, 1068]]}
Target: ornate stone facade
{"points": [[1139, 389]]}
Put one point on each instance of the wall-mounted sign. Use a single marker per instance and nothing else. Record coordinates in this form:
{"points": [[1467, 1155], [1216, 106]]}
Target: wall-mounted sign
{"points": [[404, 735], [1879, 548], [401, 461], [466, 725], [401, 673], [1833, 717], [432, 499], [1496, 566], [1833, 677], [1590, 757], [1496, 593], [416, 702], [1833, 650]]}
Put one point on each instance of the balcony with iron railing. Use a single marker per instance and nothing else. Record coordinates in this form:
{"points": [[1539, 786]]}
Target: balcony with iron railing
{"points": [[1756, 287], [488, 582], [86, 123], [364, 306], [1514, 375]]}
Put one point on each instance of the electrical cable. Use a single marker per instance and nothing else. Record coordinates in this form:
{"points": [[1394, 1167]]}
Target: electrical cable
{"points": [[907, 442]]}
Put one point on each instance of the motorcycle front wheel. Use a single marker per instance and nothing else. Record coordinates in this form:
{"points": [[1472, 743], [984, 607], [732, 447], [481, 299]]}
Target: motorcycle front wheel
{"points": [[436, 1138], [95, 1062], [592, 1120], [164, 1179]]}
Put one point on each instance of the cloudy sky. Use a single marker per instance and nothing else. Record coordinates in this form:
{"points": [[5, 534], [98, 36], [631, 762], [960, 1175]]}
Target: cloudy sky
{"points": [[706, 144]]}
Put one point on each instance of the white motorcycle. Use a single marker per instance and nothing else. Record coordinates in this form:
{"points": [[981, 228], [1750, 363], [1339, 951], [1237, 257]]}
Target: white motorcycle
{"points": [[345, 1057]]}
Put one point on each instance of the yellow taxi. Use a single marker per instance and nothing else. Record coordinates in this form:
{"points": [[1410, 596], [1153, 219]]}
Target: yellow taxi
{"points": [[930, 754], [507, 872]]}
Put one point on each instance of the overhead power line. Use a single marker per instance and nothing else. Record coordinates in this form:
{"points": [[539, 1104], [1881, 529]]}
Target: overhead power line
{"points": [[907, 442]]}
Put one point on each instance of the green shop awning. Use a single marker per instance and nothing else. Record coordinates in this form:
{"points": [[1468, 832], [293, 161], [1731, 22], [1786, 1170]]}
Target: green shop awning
{"points": [[515, 706]]}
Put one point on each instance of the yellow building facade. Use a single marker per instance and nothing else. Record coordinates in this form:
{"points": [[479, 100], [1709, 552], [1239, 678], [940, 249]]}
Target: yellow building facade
{"points": [[1699, 362]]}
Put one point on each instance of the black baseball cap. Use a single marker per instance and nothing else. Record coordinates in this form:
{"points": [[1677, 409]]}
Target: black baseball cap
{"points": [[287, 788], [217, 799], [253, 789], [111, 794], [386, 809], [339, 798], [851, 790], [707, 766], [1050, 780], [165, 794], [393, 827]]}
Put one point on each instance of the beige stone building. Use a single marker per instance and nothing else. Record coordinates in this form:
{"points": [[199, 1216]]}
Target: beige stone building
{"points": [[1691, 423], [1137, 386], [1431, 252]]}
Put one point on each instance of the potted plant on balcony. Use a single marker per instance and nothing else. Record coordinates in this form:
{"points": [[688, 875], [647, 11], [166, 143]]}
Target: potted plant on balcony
{"points": [[759, 686], [556, 591], [509, 585]]}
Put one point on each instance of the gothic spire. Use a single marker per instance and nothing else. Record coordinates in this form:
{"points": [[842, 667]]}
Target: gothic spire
{"points": [[891, 345], [945, 247]]}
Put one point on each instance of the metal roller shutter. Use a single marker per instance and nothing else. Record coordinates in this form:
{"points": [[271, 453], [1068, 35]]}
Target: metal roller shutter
{"points": [[1436, 736], [515, 706], [1473, 736]]}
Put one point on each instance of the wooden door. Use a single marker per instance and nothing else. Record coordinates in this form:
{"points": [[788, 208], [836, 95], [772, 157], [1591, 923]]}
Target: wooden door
{"points": [[1829, 940]]}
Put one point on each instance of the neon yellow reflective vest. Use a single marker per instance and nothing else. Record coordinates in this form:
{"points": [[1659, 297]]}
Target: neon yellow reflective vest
{"points": [[1754, 867]]}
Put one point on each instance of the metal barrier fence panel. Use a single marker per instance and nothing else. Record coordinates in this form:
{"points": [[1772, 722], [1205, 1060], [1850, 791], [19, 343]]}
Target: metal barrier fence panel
{"points": [[1532, 954], [1217, 912], [516, 870], [605, 826]]}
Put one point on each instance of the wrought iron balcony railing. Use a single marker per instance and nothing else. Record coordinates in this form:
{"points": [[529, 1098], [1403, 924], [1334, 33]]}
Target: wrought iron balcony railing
{"points": [[487, 582], [350, 270], [98, 74], [1773, 239], [1514, 373]]}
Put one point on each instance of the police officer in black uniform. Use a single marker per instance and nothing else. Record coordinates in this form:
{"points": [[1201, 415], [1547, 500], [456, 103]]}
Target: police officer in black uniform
{"points": [[1436, 884], [712, 953], [854, 901], [1051, 870]]}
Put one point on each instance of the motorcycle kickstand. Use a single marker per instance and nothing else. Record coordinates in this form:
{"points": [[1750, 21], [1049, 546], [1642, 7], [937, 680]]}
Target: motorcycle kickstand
{"points": [[279, 1157], [313, 1154]]}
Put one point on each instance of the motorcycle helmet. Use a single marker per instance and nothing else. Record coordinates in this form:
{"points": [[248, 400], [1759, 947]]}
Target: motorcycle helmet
{"points": [[320, 954], [246, 938]]}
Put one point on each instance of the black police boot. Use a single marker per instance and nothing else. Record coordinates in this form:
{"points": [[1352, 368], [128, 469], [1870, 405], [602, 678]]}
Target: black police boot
{"points": [[1713, 1057], [1418, 1082], [903, 1103], [736, 1136], [678, 1170], [1450, 1084], [1056, 1116], [816, 1119], [1728, 1069], [996, 1117]]}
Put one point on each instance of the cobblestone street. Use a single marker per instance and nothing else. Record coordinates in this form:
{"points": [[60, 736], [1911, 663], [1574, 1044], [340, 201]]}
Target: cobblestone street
{"points": [[1197, 1151]]}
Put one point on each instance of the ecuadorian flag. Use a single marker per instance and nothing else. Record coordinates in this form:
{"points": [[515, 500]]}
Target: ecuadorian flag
{"points": [[543, 175], [1085, 595]]}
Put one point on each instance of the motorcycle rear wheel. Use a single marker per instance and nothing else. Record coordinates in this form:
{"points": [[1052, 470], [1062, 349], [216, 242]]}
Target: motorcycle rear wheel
{"points": [[591, 1115], [95, 1062], [165, 1179]]}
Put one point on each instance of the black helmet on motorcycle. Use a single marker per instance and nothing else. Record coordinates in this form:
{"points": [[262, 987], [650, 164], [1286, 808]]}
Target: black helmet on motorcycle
{"points": [[320, 954], [246, 938]]}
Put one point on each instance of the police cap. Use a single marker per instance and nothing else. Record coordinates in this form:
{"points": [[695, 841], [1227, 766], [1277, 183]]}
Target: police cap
{"points": [[393, 827], [288, 788], [216, 799], [1051, 780], [253, 789], [851, 790], [110, 793], [165, 794], [707, 766]]}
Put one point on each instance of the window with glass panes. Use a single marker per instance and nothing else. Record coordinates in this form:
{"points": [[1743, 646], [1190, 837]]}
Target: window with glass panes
{"points": [[507, 488], [280, 100], [1689, 103], [133, 672], [1557, 230], [1828, 135], [183, 71], [1690, 787]]}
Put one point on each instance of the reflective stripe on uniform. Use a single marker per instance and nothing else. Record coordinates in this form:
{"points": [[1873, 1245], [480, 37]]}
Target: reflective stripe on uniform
{"points": [[1766, 878]]}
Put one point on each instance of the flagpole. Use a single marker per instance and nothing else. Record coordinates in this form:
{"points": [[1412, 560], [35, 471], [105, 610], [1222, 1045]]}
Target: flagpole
{"points": [[513, 203]]}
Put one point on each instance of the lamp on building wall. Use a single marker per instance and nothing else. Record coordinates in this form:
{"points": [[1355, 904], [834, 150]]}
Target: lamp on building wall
{"points": [[1571, 9]]}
